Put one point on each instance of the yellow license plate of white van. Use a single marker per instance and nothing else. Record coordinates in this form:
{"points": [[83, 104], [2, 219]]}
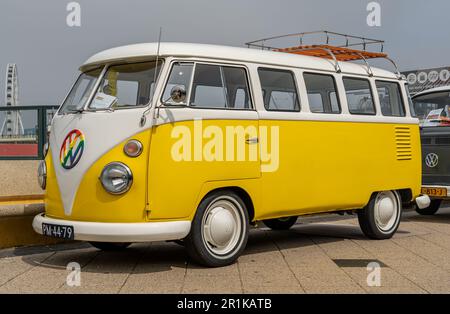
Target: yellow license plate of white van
{"points": [[434, 191]]}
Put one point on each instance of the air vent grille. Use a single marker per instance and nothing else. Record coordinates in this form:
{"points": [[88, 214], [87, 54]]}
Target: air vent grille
{"points": [[403, 143], [426, 141], [442, 140]]}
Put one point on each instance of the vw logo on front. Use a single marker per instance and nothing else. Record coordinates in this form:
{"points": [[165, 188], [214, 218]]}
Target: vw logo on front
{"points": [[432, 160], [71, 149]]}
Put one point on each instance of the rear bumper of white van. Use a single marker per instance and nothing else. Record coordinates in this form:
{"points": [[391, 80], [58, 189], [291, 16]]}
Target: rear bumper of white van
{"points": [[119, 232]]}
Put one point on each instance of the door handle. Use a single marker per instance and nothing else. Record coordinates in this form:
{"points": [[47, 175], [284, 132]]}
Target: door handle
{"points": [[253, 140]]}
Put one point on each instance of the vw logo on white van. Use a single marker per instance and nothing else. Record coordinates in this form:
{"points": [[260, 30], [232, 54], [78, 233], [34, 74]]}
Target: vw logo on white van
{"points": [[432, 160]]}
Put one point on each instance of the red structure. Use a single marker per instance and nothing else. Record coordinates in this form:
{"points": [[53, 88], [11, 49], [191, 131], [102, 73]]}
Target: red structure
{"points": [[18, 150]]}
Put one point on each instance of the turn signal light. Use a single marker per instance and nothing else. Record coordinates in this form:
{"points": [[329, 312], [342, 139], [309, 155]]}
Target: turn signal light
{"points": [[133, 148]]}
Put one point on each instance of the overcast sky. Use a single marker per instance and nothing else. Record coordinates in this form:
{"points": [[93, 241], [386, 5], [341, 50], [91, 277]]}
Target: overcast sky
{"points": [[48, 52]]}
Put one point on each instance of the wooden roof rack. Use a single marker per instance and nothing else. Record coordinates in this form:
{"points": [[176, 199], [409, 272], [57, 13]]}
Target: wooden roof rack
{"points": [[336, 52], [341, 53]]}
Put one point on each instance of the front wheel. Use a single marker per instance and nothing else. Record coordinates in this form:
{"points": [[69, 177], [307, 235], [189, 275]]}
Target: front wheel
{"points": [[381, 217], [430, 210], [219, 230], [110, 246], [280, 223]]}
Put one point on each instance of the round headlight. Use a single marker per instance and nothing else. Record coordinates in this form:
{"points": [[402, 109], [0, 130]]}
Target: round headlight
{"points": [[42, 174], [116, 178], [45, 150]]}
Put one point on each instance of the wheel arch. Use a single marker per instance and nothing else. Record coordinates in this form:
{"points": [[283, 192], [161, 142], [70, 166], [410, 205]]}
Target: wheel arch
{"points": [[240, 191], [406, 195]]}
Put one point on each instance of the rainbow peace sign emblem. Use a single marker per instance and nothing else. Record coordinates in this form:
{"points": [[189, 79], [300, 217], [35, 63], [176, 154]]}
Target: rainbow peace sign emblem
{"points": [[71, 149]]}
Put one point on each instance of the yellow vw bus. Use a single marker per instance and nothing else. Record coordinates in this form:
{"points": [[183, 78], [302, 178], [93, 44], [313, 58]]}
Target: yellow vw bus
{"points": [[192, 142]]}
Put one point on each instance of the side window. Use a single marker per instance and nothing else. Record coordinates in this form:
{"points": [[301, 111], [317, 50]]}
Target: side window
{"points": [[322, 94], [217, 86], [359, 96], [208, 88], [236, 88], [180, 75], [391, 100], [279, 90]]}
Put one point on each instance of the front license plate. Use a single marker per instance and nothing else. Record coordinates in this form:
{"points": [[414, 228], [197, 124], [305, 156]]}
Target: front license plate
{"points": [[58, 231], [441, 192]]}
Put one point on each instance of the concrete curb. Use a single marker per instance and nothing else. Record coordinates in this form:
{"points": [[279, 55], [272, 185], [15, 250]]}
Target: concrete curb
{"points": [[19, 178], [20, 210], [16, 229]]}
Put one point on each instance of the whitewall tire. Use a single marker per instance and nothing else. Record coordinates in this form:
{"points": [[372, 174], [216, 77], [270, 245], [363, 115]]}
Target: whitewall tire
{"points": [[219, 230], [381, 217]]}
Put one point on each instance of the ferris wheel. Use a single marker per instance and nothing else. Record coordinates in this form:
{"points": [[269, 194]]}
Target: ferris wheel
{"points": [[12, 124]]}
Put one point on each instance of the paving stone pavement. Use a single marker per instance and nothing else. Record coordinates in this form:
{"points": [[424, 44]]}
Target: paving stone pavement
{"points": [[321, 254]]}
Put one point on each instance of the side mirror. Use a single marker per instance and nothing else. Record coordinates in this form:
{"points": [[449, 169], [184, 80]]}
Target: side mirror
{"points": [[178, 94]]}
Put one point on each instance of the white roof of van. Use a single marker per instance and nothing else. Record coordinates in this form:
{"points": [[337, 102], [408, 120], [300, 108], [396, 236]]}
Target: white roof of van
{"points": [[146, 50], [433, 90]]}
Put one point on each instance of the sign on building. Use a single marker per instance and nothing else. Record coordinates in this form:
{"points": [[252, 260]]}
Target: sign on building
{"points": [[420, 80]]}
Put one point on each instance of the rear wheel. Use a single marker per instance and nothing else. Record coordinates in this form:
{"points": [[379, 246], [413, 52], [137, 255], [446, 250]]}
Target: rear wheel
{"points": [[430, 210], [219, 230], [284, 223], [110, 246], [381, 217]]}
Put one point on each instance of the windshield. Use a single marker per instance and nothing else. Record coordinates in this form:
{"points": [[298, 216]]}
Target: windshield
{"points": [[122, 86], [80, 92], [126, 85], [433, 109]]}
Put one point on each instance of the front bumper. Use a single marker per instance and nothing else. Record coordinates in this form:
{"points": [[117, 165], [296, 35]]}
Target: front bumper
{"points": [[119, 232]]}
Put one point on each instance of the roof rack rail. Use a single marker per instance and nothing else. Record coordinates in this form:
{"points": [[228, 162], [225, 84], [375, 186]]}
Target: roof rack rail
{"points": [[337, 52]]}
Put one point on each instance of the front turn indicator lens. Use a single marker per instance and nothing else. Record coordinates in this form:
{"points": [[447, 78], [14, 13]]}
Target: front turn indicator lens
{"points": [[116, 178], [133, 148]]}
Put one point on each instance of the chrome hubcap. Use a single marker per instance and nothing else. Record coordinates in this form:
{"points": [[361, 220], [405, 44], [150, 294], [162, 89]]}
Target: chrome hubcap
{"points": [[222, 226], [386, 210]]}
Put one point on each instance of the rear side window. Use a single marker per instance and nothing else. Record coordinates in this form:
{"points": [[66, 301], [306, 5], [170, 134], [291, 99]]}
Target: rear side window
{"points": [[391, 100], [279, 90], [322, 94], [217, 86], [359, 96]]}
